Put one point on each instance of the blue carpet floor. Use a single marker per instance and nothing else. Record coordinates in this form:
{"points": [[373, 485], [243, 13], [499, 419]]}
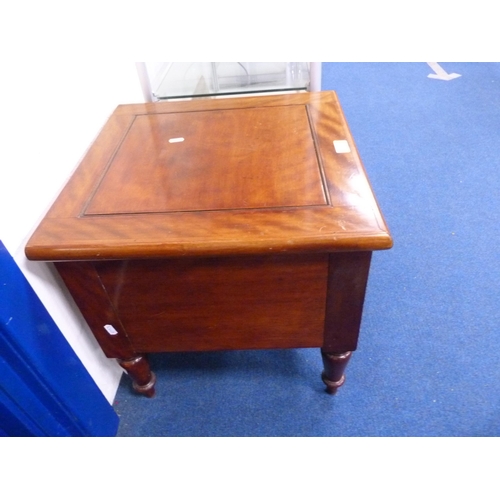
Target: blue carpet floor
{"points": [[428, 361]]}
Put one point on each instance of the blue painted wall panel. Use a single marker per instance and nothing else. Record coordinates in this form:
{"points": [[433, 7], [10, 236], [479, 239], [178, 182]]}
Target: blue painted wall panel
{"points": [[44, 388]]}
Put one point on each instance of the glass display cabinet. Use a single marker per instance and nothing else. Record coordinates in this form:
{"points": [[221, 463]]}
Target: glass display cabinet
{"points": [[177, 80]]}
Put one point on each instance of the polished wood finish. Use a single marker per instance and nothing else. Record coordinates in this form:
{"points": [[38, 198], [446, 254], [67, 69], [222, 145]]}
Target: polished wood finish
{"points": [[142, 377], [347, 279], [145, 215], [333, 374], [260, 302], [218, 224], [91, 298], [225, 148]]}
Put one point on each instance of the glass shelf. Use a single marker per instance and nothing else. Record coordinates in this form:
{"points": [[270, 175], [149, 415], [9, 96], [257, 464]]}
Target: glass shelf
{"points": [[201, 79]]}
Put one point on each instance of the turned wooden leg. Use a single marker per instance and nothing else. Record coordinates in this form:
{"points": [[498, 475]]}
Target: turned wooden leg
{"points": [[334, 366], [347, 278], [140, 373]]}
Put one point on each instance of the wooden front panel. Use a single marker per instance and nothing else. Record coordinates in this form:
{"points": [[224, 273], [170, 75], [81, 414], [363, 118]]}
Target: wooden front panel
{"points": [[219, 303]]}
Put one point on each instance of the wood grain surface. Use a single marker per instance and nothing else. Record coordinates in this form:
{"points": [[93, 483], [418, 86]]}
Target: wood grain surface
{"points": [[253, 175], [219, 303], [218, 224]]}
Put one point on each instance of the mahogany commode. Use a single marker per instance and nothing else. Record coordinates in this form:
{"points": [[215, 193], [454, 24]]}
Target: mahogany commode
{"points": [[214, 224]]}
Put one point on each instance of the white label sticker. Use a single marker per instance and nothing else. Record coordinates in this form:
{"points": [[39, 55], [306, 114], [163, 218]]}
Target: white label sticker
{"points": [[110, 329], [176, 139], [341, 146]]}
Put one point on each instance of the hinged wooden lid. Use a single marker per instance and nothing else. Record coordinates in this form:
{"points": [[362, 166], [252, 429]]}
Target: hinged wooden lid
{"points": [[216, 177]]}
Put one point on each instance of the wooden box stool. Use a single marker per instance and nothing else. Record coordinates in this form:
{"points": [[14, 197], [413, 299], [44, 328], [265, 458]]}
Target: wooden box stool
{"points": [[213, 224]]}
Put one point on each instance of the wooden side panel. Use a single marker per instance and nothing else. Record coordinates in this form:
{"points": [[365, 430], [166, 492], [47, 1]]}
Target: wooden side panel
{"points": [[221, 303], [347, 279], [91, 298]]}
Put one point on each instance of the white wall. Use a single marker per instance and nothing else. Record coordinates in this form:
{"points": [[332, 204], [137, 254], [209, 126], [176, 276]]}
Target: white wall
{"points": [[49, 115]]}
